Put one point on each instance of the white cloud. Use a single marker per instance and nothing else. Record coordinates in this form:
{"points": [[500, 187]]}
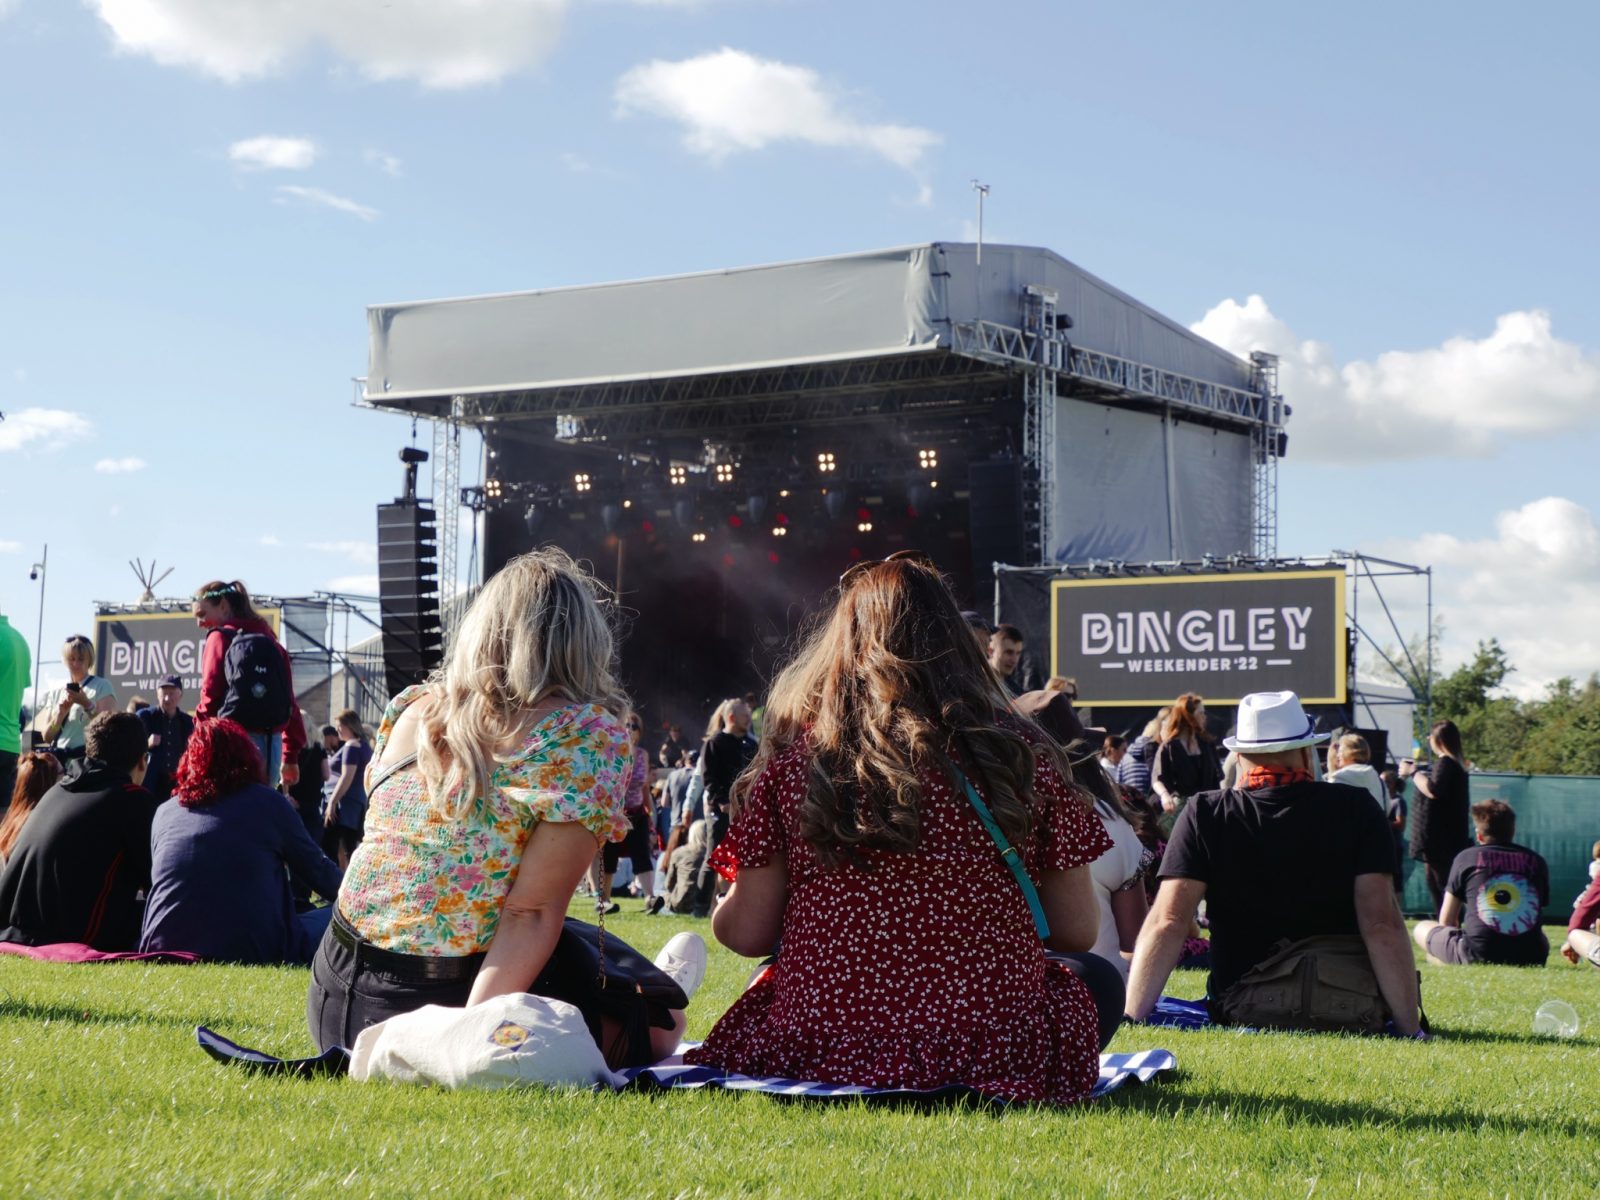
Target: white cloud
{"points": [[9, 547], [43, 428], [389, 164], [7, 5], [1461, 398], [438, 43], [269, 153], [268, 539], [360, 585], [729, 101], [120, 466], [361, 552], [1532, 585], [315, 195]]}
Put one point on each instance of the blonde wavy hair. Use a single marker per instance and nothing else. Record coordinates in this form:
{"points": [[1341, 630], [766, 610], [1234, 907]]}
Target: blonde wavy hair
{"points": [[886, 686], [538, 629]]}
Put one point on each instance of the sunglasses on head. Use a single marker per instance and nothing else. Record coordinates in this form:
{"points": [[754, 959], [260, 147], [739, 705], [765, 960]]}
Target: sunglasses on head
{"points": [[866, 564]]}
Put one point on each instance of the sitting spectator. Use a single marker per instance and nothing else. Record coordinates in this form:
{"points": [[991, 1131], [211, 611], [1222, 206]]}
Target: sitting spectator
{"points": [[219, 850], [1583, 929], [1133, 772], [345, 814], [492, 786], [37, 773], [1280, 859], [1119, 874], [75, 873], [1492, 899], [1350, 761], [867, 839], [682, 871]]}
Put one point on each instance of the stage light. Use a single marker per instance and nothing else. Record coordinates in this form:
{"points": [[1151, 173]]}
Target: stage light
{"points": [[780, 531], [627, 504], [864, 527], [492, 489], [697, 536], [734, 521], [928, 460], [581, 482], [677, 475], [933, 483], [724, 472], [825, 462], [784, 494]]}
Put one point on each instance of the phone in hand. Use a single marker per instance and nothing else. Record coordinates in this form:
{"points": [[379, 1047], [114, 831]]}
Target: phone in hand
{"points": [[74, 687]]}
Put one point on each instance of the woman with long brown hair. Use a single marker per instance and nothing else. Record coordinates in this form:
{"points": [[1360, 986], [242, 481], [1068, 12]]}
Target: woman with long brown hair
{"points": [[37, 773], [1187, 761], [913, 953]]}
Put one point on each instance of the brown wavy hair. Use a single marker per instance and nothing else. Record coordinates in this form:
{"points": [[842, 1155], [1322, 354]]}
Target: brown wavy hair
{"points": [[1182, 722], [37, 773], [886, 685]]}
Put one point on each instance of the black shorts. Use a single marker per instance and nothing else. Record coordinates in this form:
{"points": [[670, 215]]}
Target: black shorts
{"points": [[636, 845], [354, 985]]}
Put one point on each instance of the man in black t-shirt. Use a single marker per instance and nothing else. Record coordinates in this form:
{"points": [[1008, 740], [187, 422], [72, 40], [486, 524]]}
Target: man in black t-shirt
{"points": [[1492, 900], [1279, 859], [724, 759], [75, 872]]}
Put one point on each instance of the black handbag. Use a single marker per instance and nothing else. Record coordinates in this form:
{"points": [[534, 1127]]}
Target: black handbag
{"points": [[602, 976]]}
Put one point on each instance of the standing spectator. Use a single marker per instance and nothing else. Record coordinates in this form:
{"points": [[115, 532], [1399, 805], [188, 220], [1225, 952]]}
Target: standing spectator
{"points": [[167, 728], [308, 793], [37, 772], [1492, 899], [76, 871], [14, 666], [344, 818], [1350, 761], [636, 807], [67, 710], [1439, 815], [222, 852], [672, 750], [1005, 654], [723, 760], [238, 640], [1187, 762], [1112, 751], [912, 956], [1395, 811]]}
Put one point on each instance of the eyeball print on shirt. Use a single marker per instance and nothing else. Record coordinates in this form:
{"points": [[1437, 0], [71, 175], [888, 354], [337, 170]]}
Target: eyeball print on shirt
{"points": [[1508, 905]]}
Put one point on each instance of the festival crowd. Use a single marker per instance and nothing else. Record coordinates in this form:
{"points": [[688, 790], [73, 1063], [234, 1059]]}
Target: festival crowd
{"points": [[946, 876]]}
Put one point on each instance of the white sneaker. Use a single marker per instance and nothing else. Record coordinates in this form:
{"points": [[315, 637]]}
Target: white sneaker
{"points": [[683, 959]]}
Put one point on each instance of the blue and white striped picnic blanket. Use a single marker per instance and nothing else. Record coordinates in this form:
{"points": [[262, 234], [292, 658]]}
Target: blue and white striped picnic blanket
{"points": [[1115, 1070]]}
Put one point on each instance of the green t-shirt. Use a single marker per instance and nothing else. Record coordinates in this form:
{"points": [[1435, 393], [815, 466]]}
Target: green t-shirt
{"points": [[14, 664]]}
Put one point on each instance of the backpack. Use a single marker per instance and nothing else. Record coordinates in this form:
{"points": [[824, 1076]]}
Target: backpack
{"points": [[258, 695]]}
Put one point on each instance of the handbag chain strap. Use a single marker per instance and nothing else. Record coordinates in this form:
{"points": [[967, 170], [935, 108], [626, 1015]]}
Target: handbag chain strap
{"points": [[1010, 856]]}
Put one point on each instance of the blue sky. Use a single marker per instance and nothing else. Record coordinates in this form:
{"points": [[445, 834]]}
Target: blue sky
{"points": [[1405, 188]]}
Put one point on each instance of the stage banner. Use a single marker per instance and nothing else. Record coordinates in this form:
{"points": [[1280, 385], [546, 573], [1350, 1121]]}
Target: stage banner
{"points": [[1142, 641], [135, 650]]}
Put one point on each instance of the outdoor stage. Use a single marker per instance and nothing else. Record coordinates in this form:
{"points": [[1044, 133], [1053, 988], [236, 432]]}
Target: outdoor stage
{"points": [[721, 445]]}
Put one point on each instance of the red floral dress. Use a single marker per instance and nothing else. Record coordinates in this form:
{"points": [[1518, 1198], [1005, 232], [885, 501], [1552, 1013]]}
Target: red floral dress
{"points": [[912, 970]]}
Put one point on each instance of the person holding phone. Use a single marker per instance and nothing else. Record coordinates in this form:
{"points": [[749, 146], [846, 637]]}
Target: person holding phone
{"points": [[65, 712]]}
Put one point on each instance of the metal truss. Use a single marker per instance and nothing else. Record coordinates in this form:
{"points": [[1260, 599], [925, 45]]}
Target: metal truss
{"points": [[1265, 446], [447, 501], [1039, 422]]}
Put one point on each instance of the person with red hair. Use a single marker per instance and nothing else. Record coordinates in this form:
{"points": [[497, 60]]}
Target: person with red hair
{"points": [[218, 852], [37, 773]]}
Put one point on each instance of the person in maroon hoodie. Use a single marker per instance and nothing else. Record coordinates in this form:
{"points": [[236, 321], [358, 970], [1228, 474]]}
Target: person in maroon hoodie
{"points": [[225, 610]]}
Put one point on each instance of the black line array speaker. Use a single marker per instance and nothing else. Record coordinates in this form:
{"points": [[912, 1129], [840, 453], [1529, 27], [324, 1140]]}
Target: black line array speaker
{"points": [[408, 593], [994, 519]]}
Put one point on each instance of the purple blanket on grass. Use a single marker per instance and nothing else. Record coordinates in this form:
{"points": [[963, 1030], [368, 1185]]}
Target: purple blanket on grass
{"points": [[77, 952]]}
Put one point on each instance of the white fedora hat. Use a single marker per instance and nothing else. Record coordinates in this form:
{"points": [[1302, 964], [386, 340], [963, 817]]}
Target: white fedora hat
{"points": [[1273, 721]]}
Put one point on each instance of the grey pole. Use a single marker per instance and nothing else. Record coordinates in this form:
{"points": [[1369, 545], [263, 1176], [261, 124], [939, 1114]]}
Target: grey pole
{"points": [[38, 637]]}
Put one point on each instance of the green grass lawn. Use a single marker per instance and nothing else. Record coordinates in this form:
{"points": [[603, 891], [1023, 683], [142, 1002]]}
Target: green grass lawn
{"points": [[103, 1092]]}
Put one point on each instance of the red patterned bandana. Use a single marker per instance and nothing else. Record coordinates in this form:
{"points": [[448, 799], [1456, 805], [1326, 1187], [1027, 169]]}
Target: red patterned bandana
{"points": [[1265, 775]]}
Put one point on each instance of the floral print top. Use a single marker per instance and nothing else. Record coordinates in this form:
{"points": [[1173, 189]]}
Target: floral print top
{"points": [[422, 883]]}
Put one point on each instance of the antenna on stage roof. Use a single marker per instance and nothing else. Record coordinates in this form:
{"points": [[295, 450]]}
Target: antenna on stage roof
{"points": [[983, 190], [148, 577]]}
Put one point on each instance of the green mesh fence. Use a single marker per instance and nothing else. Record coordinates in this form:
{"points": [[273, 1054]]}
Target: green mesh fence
{"points": [[1557, 815]]}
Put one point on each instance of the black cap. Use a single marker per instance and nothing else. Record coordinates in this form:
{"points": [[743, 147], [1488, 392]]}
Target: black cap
{"points": [[171, 681]]}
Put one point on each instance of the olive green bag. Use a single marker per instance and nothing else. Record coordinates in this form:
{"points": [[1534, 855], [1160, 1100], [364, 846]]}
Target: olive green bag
{"points": [[1324, 984]]}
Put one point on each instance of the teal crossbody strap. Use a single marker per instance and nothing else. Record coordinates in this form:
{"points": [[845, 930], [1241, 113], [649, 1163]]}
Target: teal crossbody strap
{"points": [[1011, 857]]}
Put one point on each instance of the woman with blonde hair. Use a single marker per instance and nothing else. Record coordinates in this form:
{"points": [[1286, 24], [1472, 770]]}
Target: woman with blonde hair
{"points": [[491, 786], [867, 836], [1187, 761]]}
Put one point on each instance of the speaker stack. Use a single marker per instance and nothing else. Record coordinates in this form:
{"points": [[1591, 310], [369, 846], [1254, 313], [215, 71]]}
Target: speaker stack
{"points": [[994, 518], [408, 593]]}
